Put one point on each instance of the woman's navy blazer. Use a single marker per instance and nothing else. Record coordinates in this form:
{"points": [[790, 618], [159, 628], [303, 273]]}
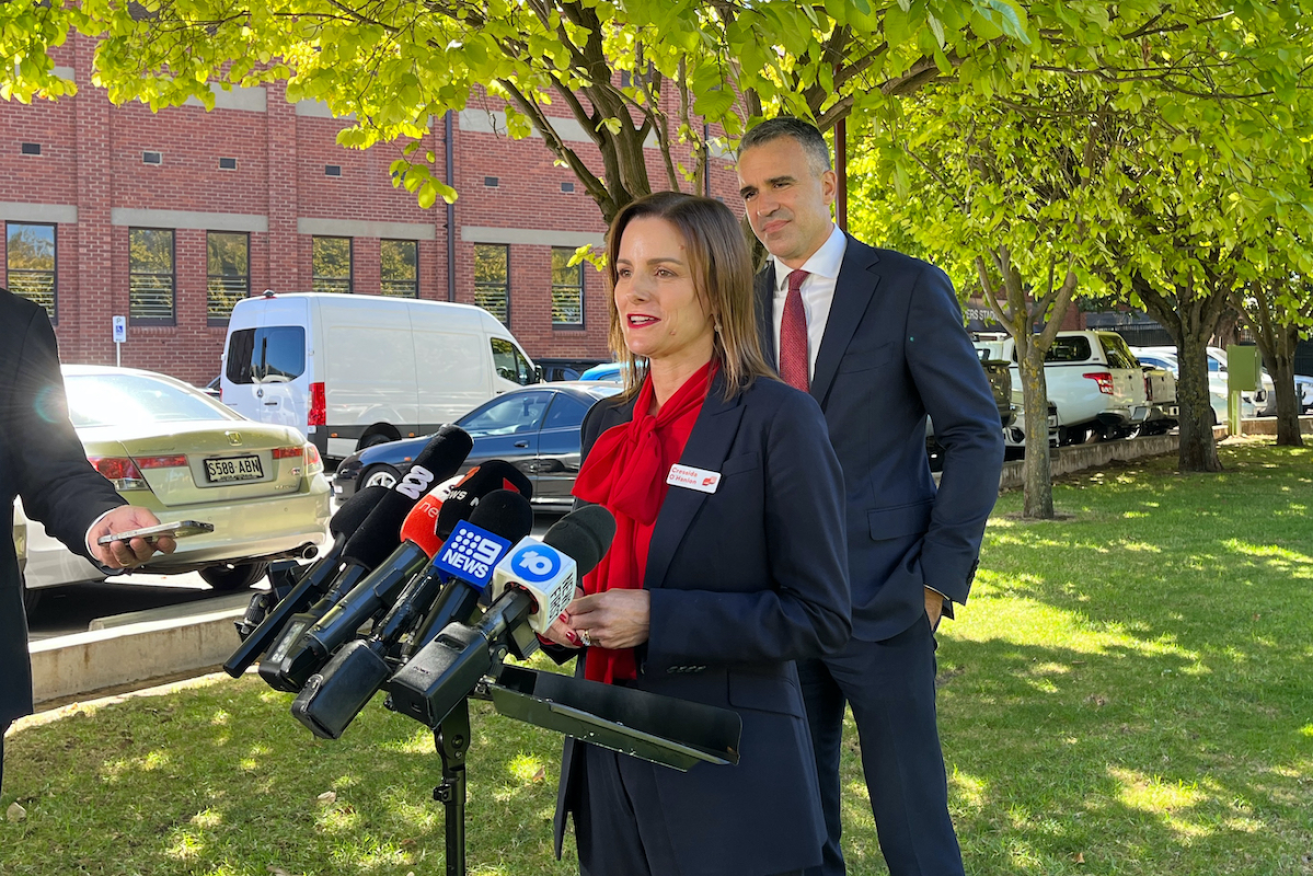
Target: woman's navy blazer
{"points": [[743, 582]]}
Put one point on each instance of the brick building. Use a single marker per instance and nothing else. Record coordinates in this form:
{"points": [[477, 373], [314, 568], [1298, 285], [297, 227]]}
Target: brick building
{"points": [[166, 218]]}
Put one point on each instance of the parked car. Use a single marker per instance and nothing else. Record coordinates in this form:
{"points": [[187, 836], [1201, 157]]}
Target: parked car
{"points": [[349, 371], [605, 371], [212, 389], [1095, 385], [535, 428], [1000, 383], [20, 550], [1165, 358], [167, 447], [1304, 386]]}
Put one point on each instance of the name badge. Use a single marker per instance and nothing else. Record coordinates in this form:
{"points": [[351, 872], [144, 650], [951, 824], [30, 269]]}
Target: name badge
{"points": [[693, 478]]}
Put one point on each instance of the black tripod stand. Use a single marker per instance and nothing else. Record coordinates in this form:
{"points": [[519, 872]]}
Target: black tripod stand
{"points": [[452, 739]]}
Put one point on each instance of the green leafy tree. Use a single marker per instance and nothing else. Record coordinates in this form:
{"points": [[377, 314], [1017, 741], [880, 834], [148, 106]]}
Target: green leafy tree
{"points": [[680, 74], [1124, 177]]}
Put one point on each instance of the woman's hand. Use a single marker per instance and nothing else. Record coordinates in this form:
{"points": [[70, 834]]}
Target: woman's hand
{"points": [[614, 619], [561, 632]]}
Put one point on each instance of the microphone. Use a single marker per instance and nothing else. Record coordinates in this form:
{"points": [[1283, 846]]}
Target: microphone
{"points": [[459, 603], [318, 637], [480, 481], [311, 583], [533, 578], [365, 550], [333, 697]]}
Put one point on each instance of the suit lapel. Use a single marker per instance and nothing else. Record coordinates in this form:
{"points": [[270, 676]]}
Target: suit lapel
{"points": [[765, 301], [858, 278], [708, 445]]}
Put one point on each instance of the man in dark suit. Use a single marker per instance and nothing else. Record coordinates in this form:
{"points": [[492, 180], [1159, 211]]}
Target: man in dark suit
{"points": [[41, 460], [877, 339]]}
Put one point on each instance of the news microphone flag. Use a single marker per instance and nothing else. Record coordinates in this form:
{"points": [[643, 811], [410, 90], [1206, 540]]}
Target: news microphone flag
{"points": [[543, 572], [471, 554]]}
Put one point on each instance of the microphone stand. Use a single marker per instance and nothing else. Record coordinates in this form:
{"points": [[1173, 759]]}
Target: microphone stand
{"points": [[666, 731], [452, 740]]}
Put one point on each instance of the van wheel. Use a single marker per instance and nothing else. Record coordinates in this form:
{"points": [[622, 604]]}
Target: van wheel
{"points": [[380, 475], [373, 440], [234, 577], [31, 598]]}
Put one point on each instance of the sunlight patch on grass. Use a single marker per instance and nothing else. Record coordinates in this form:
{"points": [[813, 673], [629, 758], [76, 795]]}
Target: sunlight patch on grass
{"points": [[1306, 730], [219, 718], [420, 742], [1139, 546], [1170, 801], [1022, 621], [340, 817], [186, 847], [207, 818], [526, 768], [1288, 562], [968, 790], [155, 760]]}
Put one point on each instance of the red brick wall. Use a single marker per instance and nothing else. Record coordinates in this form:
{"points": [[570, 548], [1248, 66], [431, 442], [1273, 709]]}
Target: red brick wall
{"points": [[91, 158]]}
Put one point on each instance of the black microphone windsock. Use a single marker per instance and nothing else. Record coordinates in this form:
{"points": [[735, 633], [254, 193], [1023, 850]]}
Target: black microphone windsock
{"points": [[379, 534], [464, 497], [585, 535], [354, 510], [505, 513]]}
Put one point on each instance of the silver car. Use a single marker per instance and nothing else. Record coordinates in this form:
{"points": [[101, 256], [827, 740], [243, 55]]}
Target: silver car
{"points": [[166, 446]]}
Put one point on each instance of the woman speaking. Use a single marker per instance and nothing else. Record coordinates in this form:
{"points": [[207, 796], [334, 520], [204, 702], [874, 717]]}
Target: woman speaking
{"points": [[728, 562]]}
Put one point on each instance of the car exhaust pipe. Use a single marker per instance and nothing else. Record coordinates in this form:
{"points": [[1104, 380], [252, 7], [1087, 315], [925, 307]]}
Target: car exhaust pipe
{"points": [[307, 551]]}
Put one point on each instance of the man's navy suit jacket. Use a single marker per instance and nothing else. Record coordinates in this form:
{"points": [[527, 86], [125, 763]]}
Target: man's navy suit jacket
{"points": [[895, 350], [42, 460], [743, 581]]}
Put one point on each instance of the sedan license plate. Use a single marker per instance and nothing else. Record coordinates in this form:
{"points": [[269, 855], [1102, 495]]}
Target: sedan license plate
{"points": [[233, 468]]}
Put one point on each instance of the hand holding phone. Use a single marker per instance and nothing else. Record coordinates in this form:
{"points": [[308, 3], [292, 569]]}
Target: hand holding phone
{"points": [[175, 529]]}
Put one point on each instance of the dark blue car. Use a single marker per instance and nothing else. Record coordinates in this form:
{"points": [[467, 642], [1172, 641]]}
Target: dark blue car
{"points": [[535, 428]]}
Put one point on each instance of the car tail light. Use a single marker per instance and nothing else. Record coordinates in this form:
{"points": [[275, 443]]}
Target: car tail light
{"points": [[119, 471], [318, 406], [177, 460], [287, 452], [1103, 379], [314, 463]]}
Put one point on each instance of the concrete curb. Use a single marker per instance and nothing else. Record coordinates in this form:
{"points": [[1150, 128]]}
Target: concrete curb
{"points": [[67, 666], [1079, 457]]}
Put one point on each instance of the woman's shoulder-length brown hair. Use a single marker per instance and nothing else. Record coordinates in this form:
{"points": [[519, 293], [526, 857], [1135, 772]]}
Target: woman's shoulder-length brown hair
{"points": [[721, 266]]}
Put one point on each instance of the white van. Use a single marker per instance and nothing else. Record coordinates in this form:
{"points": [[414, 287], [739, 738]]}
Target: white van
{"points": [[354, 370]]}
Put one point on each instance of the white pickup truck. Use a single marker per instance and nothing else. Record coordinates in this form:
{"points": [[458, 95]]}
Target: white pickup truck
{"points": [[1096, 386]]}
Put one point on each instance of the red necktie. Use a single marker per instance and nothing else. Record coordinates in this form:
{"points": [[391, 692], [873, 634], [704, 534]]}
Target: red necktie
{"points": [[794, 360]]}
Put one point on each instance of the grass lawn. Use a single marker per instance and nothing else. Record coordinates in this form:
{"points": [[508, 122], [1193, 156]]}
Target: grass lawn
{"points": [[1129, 691]]}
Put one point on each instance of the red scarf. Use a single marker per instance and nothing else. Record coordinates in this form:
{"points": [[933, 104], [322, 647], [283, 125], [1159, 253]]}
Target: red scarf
{"points": [[626, 473]]}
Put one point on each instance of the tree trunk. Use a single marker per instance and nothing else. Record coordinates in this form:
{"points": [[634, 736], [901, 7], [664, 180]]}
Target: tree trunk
{"points": [[1277, 342], [1036, 470], [1198, 449], [1190, 318], [1287, 401]]}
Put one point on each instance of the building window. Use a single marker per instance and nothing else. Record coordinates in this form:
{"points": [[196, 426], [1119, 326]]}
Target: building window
{"points": [[332, 264], [31, 263], [228, 273], [399, 268], [567, 289], [151, 280], [492, 279]]}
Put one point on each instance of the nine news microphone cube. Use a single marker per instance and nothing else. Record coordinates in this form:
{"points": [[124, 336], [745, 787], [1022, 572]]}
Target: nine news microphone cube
{"points": [[471, 554]]}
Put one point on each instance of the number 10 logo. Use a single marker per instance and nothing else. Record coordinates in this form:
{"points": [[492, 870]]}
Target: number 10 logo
{"points": [[536, 563]]}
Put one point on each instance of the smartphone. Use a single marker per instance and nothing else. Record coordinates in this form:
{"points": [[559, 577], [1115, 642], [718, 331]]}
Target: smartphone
{"points": [[176, 529]]}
